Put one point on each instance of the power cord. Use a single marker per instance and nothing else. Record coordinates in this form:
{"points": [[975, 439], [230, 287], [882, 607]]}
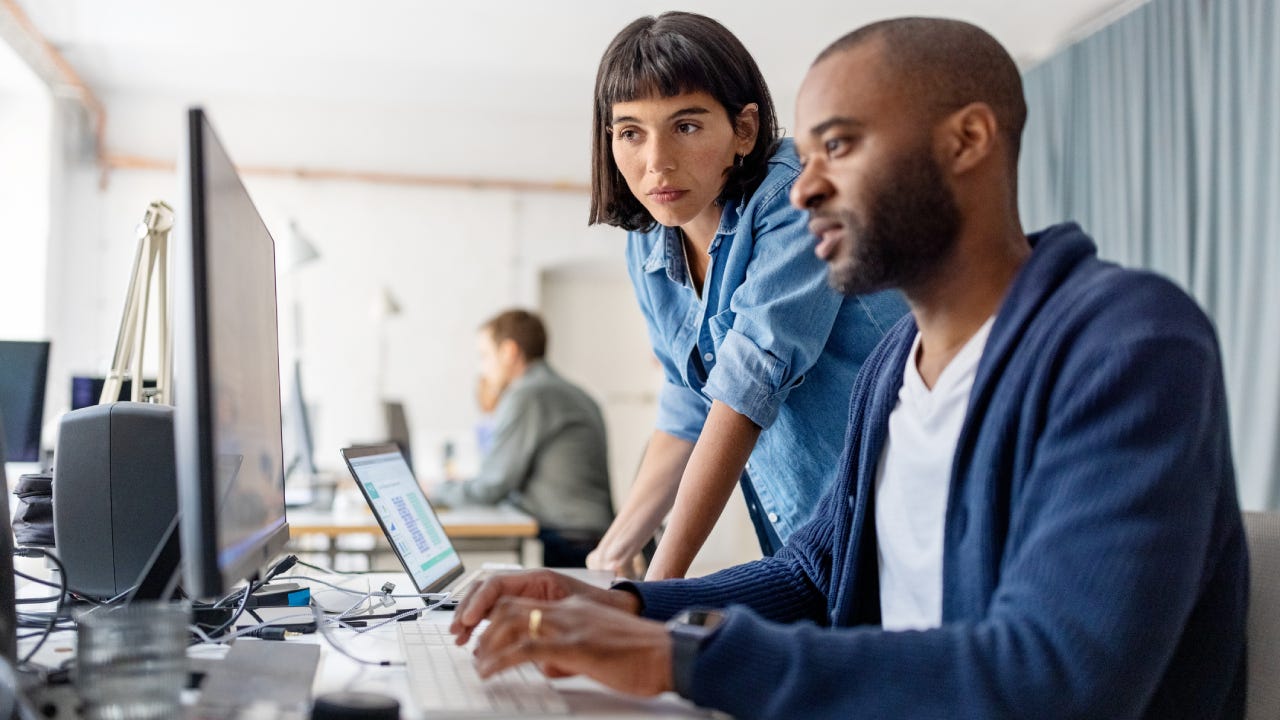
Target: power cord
{"points": [[62, 593], [285, 564], [75, 594], [322, 627]]}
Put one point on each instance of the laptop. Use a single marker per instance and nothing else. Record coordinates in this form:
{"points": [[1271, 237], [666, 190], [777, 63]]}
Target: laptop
{"points": [[407, 519], [442, 676]]}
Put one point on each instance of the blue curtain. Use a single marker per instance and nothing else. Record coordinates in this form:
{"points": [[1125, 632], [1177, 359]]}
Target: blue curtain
{"points": [[1160, 134]]}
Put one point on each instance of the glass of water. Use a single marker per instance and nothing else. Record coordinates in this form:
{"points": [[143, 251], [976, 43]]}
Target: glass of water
{"points": [[131, 661]]}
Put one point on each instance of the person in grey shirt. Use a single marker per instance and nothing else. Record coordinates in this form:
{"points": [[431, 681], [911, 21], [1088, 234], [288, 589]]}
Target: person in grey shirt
{"points": [[549, 455]]}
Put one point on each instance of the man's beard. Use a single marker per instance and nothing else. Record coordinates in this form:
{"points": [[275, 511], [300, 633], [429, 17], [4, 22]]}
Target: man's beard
{"points": [[913, 223]]}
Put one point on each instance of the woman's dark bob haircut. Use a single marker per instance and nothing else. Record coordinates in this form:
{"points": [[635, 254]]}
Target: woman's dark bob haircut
{"points": [[674, 53]]}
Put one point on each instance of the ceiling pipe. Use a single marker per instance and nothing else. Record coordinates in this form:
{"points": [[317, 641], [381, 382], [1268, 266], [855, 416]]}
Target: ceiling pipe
{"points": [[53, 69], [56, 72], [117, 161]]}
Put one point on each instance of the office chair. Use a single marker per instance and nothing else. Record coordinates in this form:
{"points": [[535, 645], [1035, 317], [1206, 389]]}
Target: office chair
{"points": [[1263, 631]]}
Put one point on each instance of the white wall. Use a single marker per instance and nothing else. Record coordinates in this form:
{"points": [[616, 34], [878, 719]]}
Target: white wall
{"points": [[25, 162], [26, 182]]}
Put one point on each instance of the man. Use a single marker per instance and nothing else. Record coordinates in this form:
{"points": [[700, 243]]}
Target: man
{"points": [[1036, 515], [548, 451]]}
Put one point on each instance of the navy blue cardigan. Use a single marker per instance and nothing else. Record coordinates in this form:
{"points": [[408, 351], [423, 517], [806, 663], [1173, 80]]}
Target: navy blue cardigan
{"points": [[1094, 563]]}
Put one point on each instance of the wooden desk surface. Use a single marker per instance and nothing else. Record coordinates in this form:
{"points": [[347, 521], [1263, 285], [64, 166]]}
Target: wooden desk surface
{"points": [[461, 522]]}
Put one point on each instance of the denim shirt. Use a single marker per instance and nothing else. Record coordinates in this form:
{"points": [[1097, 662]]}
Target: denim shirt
{"points": [[768, 337]]}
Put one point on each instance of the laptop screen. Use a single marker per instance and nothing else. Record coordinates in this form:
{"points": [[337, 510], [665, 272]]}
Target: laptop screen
{"points": [[407, 519]]}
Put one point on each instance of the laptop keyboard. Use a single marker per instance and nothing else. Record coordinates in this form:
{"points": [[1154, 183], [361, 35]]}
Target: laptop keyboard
{"points": [[470, 582], [443, 679]]}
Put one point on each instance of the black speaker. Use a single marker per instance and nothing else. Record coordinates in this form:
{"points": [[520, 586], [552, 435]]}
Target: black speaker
{"points": [[114, 493]]}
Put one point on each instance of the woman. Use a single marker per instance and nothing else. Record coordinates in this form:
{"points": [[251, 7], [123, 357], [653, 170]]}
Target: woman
{"points": [[758, 353]]}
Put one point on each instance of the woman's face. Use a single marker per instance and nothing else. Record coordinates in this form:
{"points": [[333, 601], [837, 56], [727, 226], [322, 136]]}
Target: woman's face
{"points": [[674, 152]]}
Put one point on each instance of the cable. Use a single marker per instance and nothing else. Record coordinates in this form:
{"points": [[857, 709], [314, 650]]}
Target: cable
{"points": [[211, 639], [35, 601], [287, 562], [322, 628], [62, 591], [435, 595], [66, 589], [331, 571]]}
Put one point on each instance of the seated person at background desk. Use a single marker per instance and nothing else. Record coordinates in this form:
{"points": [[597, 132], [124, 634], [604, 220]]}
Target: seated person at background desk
{"points": [[548, 454], [1036, 515]]}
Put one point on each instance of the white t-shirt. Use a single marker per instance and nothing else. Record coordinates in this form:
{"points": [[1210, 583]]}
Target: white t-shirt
{"points": [[912, 482]]}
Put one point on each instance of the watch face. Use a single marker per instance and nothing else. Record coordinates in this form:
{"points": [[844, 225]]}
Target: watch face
{"points": [[702, 618]]}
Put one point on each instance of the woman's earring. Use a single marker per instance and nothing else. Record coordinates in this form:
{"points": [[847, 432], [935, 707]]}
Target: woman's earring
{"points": [[737, 162]]}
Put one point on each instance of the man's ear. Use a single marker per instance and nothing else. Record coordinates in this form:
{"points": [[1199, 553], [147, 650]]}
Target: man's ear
{"points": [[509, 351], [969, 137], [746, 127]]}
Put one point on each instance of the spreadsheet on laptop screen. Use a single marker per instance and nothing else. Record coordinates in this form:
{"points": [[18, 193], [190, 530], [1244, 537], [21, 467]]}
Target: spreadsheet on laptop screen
{"points": [[411, 525]]}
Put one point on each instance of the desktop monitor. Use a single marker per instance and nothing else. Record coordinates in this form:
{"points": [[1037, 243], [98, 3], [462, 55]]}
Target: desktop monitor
{"points": [[24, 367], [86, 390], [299, 451], [229, 458], [397, 423], [8, 614]]}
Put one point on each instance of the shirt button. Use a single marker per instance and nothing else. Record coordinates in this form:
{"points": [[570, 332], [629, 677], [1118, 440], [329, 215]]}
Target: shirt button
{"points": [[709, 357], [773, 517]]}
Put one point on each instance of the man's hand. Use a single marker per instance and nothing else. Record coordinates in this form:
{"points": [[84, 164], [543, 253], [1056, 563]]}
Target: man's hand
{"points": [[578, 636], [542, 585]]}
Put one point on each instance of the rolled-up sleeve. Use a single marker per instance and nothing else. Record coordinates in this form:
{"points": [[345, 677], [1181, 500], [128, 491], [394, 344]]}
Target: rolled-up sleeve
{"points": [[783, 314], [681, 411]]}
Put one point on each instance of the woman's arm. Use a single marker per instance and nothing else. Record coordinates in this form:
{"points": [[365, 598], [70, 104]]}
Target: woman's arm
{"points": [[709, 478], [650, 498]]}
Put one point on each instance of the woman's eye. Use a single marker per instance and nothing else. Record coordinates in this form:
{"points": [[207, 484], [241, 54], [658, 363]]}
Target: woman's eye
{"points": [[686, 128], [627, 135]]}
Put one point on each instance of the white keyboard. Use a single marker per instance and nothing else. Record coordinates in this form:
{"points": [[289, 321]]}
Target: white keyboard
{"points": [[443, 679]]}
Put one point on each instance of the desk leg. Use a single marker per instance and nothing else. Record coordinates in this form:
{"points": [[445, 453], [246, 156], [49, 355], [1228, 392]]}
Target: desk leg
{"points": [[531, 552]]}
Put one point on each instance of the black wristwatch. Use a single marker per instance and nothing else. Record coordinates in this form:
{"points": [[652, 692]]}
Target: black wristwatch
{"points": [[690, 630]]}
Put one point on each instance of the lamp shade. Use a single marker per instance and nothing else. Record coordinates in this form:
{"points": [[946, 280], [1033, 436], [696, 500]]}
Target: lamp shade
{"points": [[298, 250]]}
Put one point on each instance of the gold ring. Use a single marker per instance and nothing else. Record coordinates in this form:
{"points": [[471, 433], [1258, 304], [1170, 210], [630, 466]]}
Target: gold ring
{"points": [[535, 622]]}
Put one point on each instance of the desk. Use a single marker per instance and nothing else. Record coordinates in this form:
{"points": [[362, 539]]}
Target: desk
{"points": [[586, 698], [501, 527]]}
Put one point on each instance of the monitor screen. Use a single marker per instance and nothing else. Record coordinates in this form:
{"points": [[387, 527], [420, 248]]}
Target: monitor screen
{"points": [[8, 615], [86, 391], [406, 516], [24, 367], [299, 453], [230, 463], [398, 427]]}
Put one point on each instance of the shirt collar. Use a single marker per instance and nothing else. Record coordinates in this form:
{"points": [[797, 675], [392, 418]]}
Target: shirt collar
{"points": [[667, 253]]}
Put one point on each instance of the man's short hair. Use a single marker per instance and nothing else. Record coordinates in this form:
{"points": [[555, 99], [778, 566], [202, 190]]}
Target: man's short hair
{"points": [[523, 328], [948, 64]]}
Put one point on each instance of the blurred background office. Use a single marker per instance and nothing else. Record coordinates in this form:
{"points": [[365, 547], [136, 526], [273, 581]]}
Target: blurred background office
{"points": [[422, 166]]}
